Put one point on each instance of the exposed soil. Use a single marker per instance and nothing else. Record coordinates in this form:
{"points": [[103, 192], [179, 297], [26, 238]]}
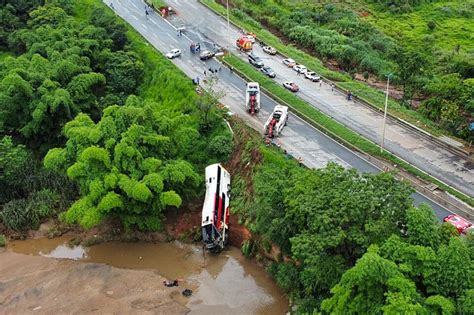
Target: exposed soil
{"points": [[48, 286]]}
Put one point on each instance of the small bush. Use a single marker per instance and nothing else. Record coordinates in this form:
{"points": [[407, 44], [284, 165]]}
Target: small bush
{"points": [[3, 240], [26, 213]]}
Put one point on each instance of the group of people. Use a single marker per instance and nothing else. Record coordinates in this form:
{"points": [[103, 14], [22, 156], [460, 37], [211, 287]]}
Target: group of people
{"points": [[212, 71]]}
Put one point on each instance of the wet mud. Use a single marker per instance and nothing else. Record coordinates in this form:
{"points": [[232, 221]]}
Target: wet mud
{"points": [[224, 284]]}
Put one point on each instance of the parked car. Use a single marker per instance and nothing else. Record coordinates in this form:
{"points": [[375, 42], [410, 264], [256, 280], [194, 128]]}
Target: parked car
{"points": [[461, 224], [268, 71], [173, 53], [206, 54], [310, 75], [300, 68], [255, 60], [269, 50], [289, 62], [290, 85]]}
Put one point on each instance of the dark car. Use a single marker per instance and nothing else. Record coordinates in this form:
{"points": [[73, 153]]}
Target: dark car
{"points": [[206, 54], [268, 71], [255, 60]]}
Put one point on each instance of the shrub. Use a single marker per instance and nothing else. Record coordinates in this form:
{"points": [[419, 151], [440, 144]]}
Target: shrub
{"points": [[26, 213], [3, 240]]}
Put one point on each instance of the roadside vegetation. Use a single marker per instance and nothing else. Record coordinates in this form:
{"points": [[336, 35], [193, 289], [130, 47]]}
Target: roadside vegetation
{"points": [[348, 243], [329, 125], [95, 124], [123, 132], [426, 46]]}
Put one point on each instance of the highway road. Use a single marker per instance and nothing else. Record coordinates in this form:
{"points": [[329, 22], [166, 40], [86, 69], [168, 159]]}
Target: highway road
{"points": [[298, 138], [399, 140]]}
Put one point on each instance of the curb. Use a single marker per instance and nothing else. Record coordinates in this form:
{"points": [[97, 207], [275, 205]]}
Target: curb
{"points": [[455, 150], [376, 161]]}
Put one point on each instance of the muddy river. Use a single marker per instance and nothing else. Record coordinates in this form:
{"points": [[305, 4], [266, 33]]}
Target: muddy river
{"points": [[224, 284]]}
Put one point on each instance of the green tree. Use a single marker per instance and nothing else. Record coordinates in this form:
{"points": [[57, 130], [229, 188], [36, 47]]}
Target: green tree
{"points": [[372, 285], [423, 227], [454, 270], [126, 166]]}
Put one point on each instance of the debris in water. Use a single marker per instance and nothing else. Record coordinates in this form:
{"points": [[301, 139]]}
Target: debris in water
{"points": [[187, 292], [171, 283]]}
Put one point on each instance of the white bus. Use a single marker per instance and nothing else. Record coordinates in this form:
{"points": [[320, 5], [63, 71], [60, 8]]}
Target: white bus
{"points": [[215, 211]]}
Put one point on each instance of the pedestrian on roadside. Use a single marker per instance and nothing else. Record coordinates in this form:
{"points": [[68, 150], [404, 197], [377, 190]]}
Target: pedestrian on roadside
{"points": [[332, 87], [197, 80], [205, 73], [231, 69], [146, 13], [320, 83], [112, 6], [219, 69]]}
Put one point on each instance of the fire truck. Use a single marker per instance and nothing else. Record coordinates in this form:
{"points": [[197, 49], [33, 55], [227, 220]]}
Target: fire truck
{"points": [[216, 211], [276, 121], [244, 43], [252, 97]]}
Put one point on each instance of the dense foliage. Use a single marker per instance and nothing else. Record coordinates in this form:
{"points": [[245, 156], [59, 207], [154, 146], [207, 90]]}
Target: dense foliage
{"points": [[66, 78], [63, 67], [131, 164], [353, 243], [359, 37]]}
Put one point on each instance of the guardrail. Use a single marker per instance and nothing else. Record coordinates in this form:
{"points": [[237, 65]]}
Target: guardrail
{"points": [[379, 163], [366, 103]]}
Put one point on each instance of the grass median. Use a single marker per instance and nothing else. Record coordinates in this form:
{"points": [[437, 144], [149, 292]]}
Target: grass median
{"points": [[323, 122], [372, 96]]}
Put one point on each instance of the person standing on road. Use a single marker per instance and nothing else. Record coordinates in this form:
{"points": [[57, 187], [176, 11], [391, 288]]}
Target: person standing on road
{"points": [[146, 12], [332, 87], [205, 73]]}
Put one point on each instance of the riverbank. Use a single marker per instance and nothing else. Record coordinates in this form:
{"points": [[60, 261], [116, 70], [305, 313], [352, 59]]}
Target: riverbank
{"points": [[46, 275], [47, 286]]}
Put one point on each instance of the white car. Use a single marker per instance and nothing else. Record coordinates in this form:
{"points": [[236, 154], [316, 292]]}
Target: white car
{"points": [[310, 75], [250, 38], [289, 62], [300, 68], [269, 50], [173, 53], [292, 86]]}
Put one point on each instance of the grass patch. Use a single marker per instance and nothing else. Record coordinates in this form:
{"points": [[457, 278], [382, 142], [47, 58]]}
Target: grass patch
{"points": [[343, 81], [330, 126]]}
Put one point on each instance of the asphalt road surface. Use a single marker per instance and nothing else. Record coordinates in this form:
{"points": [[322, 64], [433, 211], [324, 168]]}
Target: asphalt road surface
{"points": [[298, 138], [405, 143]]}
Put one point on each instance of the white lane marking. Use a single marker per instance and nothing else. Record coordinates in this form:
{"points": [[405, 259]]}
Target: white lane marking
{"points": [[136, 19], [337, 143], [171, 37], [144, 26]]}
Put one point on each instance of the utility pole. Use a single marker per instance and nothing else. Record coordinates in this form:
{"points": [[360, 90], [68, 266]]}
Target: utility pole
{"points": [[385, 113]]}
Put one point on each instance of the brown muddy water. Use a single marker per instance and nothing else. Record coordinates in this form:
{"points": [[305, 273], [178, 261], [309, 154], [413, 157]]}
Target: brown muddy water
{"points": [[227, 283]]}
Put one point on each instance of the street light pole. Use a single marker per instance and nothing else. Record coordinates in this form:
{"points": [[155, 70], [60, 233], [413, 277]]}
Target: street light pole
{"points": [[228, 13], [385, 113]]}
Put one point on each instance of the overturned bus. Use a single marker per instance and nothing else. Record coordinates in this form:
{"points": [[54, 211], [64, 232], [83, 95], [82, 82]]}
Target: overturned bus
{"points": [[215, 211]]}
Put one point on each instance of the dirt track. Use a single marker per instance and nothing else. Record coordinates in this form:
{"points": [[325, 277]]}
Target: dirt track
{"points": [[39, 285]]}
